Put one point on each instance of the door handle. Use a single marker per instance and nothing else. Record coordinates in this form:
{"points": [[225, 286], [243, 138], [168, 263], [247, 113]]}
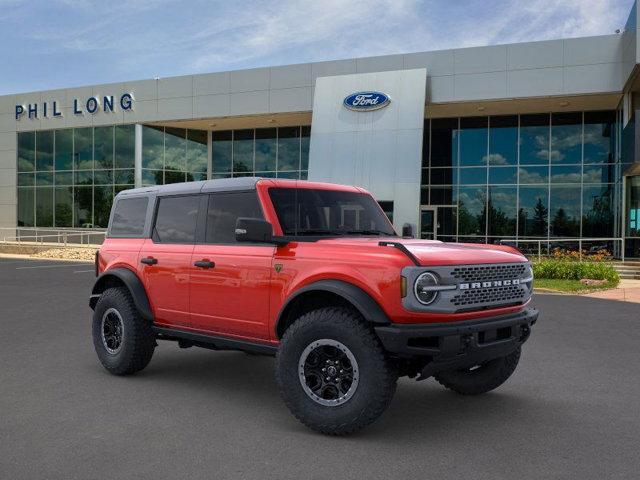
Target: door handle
{"points": [[149, 261], [204, 264]]}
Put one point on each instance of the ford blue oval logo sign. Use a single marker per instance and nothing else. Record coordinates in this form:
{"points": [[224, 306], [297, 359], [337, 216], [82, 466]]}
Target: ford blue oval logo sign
{"points": [[366, 101]]}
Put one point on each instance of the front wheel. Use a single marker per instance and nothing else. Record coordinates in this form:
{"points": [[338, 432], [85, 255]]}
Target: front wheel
{"points": [[333, 373], [480, 378], [123, 339]]}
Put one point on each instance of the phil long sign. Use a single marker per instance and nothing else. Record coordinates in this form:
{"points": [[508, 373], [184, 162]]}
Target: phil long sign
{"points": [[91, 105], [366, 101]]}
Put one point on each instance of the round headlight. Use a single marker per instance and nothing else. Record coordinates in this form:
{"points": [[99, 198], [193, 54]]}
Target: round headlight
{"points": [[422, 290]]}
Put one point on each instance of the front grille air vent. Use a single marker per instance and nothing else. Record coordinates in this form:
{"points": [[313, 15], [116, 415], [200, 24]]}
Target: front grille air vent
{"points": [[490, 295], [488, 272]]}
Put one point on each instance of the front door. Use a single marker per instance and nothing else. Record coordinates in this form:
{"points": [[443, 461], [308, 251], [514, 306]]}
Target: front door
{"points": [[165, 259], [428, 223], [230, 281]]}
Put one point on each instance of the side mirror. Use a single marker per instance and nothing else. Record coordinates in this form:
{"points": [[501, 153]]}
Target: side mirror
{"points": [[407, 230], [253, 230]]}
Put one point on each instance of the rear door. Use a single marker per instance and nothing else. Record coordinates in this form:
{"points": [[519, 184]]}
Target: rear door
{"points": [[230, 281], [165, 258]]}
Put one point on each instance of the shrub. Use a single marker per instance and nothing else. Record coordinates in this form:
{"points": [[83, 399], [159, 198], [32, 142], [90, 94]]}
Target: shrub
{"points": [[575, 270]]}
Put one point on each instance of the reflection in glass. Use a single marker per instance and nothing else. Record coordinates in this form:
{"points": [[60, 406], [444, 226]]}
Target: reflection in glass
{"points": [[288, 148], [175, 149], [605, 173], [534, 139], [564, 212], [44, 179], [44, 206], [599, 141], [82, 203], [266, 146], [566, 138], [44, 150], [26, 205], [533, 214], [63, 178], [125, 150], [221, 146], [26, 179], [26, 151], [571, 174], [503, 140], [63, 159], [471, 211], [473, 176], [503, 175], [534, 175], [501, 211], [473, 141], [63, 206], [242, 151], [152, 147], [597, 211], [197, 154], [83, 148], [102, 200], [103, 147]]}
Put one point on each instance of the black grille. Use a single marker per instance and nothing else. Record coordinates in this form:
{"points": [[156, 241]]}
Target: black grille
{"points": [[484, 273], [491, 295]]}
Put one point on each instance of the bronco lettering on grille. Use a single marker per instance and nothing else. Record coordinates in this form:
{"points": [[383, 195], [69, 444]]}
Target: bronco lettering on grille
{"points": [[495, 283]]}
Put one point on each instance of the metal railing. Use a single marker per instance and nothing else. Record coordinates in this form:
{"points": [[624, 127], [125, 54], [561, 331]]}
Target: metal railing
{"points": [[545, 247], [52, 236]]}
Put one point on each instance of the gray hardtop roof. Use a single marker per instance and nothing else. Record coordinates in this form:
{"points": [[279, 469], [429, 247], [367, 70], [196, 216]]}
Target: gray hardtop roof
{"points": [[203, 186]]}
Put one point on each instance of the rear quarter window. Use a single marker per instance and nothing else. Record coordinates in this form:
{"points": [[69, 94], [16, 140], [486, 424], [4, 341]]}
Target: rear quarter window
{"points": [[129, 216]]}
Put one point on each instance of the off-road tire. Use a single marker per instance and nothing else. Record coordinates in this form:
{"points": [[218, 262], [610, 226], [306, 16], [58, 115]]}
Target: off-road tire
{"points": [[483, 379], [377, 374], [138, 341]]}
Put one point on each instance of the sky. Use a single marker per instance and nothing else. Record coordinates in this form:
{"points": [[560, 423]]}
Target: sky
{"points": [[48, 44]]}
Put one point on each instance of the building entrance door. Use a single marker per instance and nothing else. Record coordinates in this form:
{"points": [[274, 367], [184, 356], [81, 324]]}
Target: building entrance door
{"points": [[428, 222]]}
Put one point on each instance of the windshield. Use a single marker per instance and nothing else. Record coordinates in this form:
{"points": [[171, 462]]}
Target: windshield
{"points": [[328, 212]]}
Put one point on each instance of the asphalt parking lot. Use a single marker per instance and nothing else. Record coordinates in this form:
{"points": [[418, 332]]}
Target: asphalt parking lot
{"points": [[570, 411]]}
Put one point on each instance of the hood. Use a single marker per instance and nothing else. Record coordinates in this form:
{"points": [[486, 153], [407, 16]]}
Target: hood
{"points": [[439, 253], [434, 252]]}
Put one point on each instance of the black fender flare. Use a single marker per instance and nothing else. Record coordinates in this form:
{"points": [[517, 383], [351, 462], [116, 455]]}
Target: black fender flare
{"points": [[361, 300], [133, 284]]}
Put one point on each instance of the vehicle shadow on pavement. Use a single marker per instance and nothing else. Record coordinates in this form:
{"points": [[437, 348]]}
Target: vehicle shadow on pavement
{"points": [[245, 384]]}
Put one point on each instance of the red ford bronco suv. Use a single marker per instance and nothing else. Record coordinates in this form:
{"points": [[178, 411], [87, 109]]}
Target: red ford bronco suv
{"points": [[314, 274]]}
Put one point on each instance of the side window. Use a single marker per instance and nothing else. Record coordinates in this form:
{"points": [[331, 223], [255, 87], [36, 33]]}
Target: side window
{"points": [[128, 217], [176, 219], [224, 209]]}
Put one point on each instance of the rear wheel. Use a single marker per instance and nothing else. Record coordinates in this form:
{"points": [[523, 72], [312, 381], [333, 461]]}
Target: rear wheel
{"points": [[333, 373], [122, 339], [480, 378]]}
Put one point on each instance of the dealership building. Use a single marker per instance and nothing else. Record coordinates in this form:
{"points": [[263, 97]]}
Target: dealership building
{"points": [[530, 143]]}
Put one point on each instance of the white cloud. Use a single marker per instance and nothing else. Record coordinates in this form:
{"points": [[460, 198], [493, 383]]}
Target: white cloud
{"points": [[144, 38]]}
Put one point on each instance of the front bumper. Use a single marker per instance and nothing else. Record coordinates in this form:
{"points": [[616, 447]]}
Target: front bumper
{"points": [[447, 346]]}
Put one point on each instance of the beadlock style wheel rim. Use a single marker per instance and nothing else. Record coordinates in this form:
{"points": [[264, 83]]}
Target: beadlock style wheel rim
{"points": [[112, 330], [328, 372]]}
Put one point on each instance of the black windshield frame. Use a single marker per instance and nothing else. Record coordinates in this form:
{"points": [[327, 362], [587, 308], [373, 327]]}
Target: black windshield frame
{"points": [[311, 213]]}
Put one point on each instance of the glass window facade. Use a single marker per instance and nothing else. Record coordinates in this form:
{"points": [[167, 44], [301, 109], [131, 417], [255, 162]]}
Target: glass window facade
{"points": [[68, 177], [264, 152], [172, 155], [540, 176]]}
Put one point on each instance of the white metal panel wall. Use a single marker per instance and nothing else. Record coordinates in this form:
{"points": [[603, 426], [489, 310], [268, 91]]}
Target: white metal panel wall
{"points": [[379, 150]]}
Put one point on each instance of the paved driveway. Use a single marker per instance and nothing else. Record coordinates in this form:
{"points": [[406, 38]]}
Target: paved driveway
{"points": [[570, 411]]}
